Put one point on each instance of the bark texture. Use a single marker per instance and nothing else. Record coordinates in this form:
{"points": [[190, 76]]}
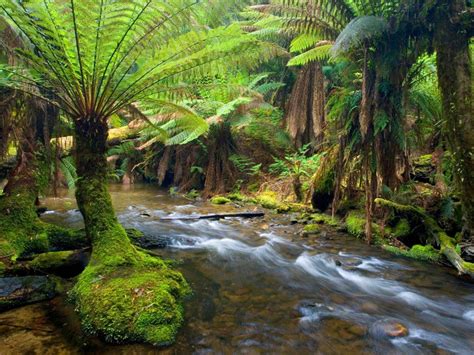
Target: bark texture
{"points": [[455, 80], [305, 117]]}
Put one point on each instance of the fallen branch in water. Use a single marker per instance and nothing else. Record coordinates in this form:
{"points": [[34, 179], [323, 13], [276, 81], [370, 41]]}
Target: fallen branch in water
{"points": [[447, 245], [217, 216]]}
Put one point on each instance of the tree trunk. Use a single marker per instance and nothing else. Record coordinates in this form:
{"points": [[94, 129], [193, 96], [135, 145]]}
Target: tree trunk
{"points": [[220, 172], [305, 117], [108, 237], [455, 81]]}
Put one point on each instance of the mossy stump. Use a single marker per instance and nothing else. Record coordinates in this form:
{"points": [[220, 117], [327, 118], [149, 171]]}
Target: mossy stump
{"points": [[129, 296]]}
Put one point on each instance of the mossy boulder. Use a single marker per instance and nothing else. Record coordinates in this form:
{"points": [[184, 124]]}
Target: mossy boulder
{"points": [[311, 229], [220, 200], [128, 303], [62, 263]]}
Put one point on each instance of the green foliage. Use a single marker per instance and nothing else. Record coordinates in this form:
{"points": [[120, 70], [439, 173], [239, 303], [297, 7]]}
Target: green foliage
{"points": [[297, 164], [401, 229], [68, 168], [359, 31], [245, 165]]}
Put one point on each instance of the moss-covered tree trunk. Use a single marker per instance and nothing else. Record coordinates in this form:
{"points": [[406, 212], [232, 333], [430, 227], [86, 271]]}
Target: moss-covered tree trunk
{"points": [[123, 294], [93, 198], [455, 80]]}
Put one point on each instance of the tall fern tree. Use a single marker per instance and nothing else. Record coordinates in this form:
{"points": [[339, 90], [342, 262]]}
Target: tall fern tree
{"points": [[380, 37], [95, 57]]}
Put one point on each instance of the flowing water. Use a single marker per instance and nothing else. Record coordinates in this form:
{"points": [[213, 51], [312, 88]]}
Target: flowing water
{"points": [[261, 287]]}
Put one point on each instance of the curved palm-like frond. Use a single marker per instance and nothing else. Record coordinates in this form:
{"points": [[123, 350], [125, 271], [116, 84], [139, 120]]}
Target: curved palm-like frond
{"points": [[99, 56], [317, 53], [359, 31]]}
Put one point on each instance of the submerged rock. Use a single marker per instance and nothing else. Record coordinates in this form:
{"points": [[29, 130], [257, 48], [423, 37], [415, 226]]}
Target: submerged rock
{"points": [[147, 241], [18, 291], [391, 328]]}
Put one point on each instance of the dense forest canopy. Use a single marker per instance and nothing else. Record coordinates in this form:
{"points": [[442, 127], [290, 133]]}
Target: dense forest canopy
{"points": [[352, 113]]}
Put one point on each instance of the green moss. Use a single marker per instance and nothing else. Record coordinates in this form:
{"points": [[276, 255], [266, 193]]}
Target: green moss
{"points": [[3, 267], [311, 229], [20, 226], [297, 207], [52, 260], [236, 196], [140, 302], [268, 199], [220, 200], [66, 239], [355, 222], [426, 159], [193, 194], [322, 218], [401, 229], [134, 234], [418, 252]]}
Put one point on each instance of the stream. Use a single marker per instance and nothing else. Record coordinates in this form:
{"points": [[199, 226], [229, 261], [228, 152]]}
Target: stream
{"points": [[261, 287]]}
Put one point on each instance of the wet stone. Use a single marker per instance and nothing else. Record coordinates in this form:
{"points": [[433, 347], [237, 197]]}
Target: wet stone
{"points": [[18, 291], [391, 328]]}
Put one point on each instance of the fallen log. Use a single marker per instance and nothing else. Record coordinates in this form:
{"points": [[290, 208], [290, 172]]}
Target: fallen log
{"points": [[446, 244], [217, 216]]}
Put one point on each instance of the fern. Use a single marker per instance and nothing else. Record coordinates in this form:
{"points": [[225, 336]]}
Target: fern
{"points": [[68, 169]]}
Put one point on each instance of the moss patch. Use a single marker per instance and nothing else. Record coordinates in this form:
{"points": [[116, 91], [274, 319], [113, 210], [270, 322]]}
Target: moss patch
{"points": [[236, 196], [51, 260], [139, 301], [324, 219], [268, 199], [220, 200], [311, 229], [418, 252], [355, 222], [401, 229]]}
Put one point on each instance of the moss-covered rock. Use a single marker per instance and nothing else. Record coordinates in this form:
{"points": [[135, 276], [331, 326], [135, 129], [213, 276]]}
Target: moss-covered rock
{"points": [[311, 229], [220, 200], [418, 252], [139, 301], [269, 200], [321, 218], [62, 263]]}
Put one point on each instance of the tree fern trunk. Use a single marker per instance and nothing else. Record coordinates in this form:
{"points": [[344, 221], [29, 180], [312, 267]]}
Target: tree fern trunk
{"points": [[93, 198], [305, 119], [455, 80]]}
